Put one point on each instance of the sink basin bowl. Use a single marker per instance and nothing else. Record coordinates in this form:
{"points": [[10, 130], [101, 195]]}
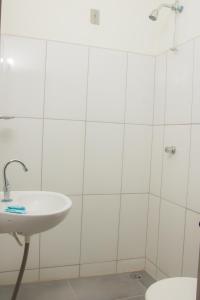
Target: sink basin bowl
{"points": [[44, 210]]}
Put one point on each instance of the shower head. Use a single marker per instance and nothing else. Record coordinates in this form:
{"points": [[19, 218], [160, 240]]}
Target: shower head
{"points": [[176, 7], [154, 15]]}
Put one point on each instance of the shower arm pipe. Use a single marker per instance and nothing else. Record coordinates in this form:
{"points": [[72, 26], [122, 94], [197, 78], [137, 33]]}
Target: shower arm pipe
{"points": [[165, 5], [174, 7]]}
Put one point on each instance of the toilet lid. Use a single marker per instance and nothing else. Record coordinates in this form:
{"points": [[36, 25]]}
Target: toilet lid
{"points": [[179, 288]]}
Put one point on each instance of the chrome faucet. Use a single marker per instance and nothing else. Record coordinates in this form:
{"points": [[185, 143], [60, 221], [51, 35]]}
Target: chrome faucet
{"points": [[6, 188]]}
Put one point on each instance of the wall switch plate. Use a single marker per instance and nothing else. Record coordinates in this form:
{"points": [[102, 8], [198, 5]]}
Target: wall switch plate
{"points": [[95, 16]]}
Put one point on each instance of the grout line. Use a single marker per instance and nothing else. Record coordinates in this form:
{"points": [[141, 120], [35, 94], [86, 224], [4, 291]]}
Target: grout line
{"points": [[151, 262], [43, 112], [176, 124], [155, 195], [75, 296], [74, 265], [110, 261], [77, 44], [141, 285], [189, 158], [186, 210], [107, 194], [106, 122], [180, 44], [82, 120], [84, 160], [176, 204], [122, 160], [165, 90], [162, 52], [151, 156], [133, 297], [162, 169], [42, 150]]}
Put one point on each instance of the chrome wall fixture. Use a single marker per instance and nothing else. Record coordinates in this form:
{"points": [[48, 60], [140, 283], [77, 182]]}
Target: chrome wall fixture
{"points": [[170, 149], [176, 7]]}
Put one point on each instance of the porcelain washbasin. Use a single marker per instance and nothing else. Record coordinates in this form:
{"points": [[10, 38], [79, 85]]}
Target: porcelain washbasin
{"points": [[44, 210]]}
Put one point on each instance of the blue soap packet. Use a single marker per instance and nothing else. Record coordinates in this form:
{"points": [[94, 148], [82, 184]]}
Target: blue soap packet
{"points": [[21, 210]]}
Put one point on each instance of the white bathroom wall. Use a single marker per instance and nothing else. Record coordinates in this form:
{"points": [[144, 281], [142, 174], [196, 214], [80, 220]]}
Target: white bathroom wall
{"points": [[174, 211], [73, 130], [124, 24]]}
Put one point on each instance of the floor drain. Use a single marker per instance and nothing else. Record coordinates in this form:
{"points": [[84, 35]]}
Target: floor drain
{"points": [[136, 275]]}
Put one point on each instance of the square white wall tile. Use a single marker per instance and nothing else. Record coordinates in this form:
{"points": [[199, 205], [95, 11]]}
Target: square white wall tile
{"points": [[133, 226], [66, 81], [60, 273], [63, 156], [137, 154], [175, 167], [11, 253], [180, 84], [9, 278], [22, 72], [22, 139], [98, 269], [160, 89], [194, 173], [191, 246], [130, 265], [157, 159], [140, 89], [153, 227], [106, 85], [103, 158], [196, 86], [66, 237], [171, 238], [100, 228]]}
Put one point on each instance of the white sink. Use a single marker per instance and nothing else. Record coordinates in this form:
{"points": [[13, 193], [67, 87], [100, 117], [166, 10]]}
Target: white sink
{"points": [[44, 210]]}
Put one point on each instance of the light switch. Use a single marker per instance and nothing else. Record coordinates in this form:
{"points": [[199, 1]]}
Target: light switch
{"points": [[95, 16]]}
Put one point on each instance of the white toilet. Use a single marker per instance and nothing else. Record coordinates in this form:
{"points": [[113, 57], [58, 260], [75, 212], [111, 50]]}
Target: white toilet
{"points": [[179, 288]]}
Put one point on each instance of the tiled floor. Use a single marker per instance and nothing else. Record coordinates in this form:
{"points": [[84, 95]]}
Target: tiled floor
{"points": [[109, 287]]}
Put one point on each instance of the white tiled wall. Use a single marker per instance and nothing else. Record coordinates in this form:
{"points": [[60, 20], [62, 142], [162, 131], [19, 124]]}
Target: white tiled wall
{"points": [[136, 166], [100, 228], [66, 81], [83, 127], [22, 76], [103, 151], [133, 220], [174, 209], [63, 153], [106, 85], [140, 89], [179, 84]]}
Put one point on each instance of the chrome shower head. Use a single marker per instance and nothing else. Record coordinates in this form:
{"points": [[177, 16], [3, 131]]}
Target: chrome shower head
{"points": [[154, 15], [176, 7]]}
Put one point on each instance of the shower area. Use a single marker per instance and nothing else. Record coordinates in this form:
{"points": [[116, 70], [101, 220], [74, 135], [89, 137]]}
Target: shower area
{"points": [[101, 101]]}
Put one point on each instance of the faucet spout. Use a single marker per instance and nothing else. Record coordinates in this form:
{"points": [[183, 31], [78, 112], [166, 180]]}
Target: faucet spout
{"points": [[6, 187]]}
